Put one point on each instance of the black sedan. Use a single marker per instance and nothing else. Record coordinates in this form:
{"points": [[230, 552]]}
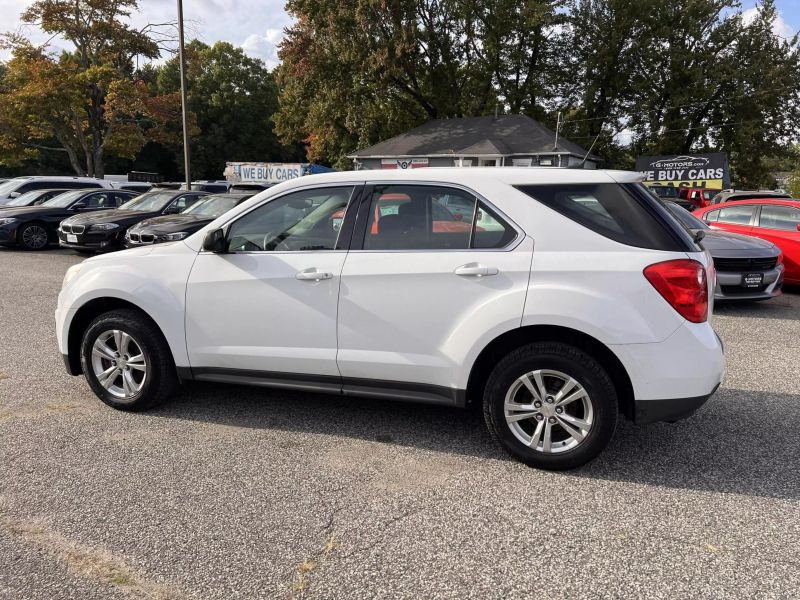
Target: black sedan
{"points": [[34, 227], [33, 198], [748, 268], [171, 228], [104, 232]]}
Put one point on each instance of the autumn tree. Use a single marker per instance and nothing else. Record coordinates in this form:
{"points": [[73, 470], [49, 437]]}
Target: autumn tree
{"points": [[87, 101], [355, 72]]}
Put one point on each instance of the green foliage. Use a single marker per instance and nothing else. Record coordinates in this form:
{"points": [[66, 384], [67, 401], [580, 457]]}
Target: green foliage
{"points": [[632, 76], [233, 98]]}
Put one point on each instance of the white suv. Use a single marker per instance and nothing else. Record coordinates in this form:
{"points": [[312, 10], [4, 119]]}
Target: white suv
{"points": [[14, 188], [556, 300]]}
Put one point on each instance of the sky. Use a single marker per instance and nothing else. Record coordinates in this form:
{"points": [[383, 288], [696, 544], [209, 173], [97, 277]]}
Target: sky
{"points": [[257, 25]]}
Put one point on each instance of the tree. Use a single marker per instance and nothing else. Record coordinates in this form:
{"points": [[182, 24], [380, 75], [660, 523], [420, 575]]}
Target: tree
{"points": [[356, 72], [233, 97], [98, 105]]}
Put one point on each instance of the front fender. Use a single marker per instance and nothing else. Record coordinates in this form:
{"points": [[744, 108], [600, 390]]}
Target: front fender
{"points": [[153, 282]]}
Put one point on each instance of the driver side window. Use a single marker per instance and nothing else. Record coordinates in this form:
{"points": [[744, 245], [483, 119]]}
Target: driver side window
{"points": [[300, 221]]}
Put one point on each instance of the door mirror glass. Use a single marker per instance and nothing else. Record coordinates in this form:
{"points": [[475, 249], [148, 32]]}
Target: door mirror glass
{"points": [[215, 241]]}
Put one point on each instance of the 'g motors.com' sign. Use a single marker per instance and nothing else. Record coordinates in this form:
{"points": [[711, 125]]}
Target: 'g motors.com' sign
{"points": [[695, 170]]}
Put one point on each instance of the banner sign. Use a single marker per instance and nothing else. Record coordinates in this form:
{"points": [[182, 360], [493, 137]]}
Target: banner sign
{"points": [[696, 170], [255, 172], [403, 163]]}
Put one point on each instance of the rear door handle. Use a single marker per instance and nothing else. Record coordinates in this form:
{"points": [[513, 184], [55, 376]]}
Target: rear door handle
{"points": [[476, 270], [313, 275]]}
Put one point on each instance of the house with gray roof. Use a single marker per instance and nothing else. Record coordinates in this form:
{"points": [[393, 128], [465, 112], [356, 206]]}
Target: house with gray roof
{"points": [[506, 140]]}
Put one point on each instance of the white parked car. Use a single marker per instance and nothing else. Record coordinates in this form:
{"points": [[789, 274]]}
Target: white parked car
{"points": [[558, 300], [14, 188]]}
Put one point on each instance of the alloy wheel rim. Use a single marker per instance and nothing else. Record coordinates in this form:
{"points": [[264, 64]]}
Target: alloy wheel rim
{"points": [[34, 236], [119, 364], [548, 411]]}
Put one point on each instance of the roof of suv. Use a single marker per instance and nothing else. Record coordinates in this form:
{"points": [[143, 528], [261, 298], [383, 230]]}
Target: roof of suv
{"points": [[509, 175]]}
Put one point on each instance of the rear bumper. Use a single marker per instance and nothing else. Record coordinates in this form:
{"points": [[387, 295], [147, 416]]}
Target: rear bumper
{"points": [[675, 409], [671, 379]]}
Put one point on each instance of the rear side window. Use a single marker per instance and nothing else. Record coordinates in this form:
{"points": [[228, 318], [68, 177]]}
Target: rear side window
{"points": [[784, 218], [616, 212], [736, 215], [422, 217]]}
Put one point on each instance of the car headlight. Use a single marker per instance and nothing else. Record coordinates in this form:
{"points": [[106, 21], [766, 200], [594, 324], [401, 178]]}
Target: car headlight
{"points": [[104, 227], [7, 221], [70, 274], [173, 237]]}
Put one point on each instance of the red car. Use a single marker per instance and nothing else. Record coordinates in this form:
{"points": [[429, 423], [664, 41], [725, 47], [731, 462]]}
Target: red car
{"points": [[777, 221], [697, 197]]}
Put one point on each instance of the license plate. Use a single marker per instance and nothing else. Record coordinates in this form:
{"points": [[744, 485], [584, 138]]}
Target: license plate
{"points": [[752, 280], [72, 238]]}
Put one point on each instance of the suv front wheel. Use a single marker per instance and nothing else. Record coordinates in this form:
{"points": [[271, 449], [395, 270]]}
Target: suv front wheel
{"points": [[551, 405], [127, 361]]}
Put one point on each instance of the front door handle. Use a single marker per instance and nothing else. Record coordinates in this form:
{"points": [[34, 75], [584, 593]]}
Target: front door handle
{"points": [[313, 275], [476, 270]]}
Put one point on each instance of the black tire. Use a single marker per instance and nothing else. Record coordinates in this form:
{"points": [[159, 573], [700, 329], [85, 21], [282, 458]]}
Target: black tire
{"points": [[33, 236], [566, 359], [160, 380]]}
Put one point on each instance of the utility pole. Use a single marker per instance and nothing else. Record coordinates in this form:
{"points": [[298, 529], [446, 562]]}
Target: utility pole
{"points": [[183, 97]]}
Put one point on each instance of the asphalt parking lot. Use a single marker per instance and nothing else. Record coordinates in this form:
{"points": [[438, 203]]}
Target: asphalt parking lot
{"points": [[232, 492]]}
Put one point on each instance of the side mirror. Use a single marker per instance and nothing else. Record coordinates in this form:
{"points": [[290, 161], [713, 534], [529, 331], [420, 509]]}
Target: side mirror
{"points": [[13, 195], [78, 206], [215, 242], [172, 210], [798, 227]]}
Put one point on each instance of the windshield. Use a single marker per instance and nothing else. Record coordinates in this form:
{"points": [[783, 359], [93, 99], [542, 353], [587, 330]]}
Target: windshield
{"points": [[213, 206], [63, 200], [149, 202], [9, 186], [685, 217], [26, 198]]}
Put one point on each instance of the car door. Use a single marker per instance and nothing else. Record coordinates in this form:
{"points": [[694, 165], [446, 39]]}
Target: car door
{"points": [[779, 224], [423, 286], [265, 309], [737, 218]]}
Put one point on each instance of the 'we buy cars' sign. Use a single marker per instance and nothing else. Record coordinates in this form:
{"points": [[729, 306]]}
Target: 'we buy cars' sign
{"points": [[686, 170], [256, 172]]}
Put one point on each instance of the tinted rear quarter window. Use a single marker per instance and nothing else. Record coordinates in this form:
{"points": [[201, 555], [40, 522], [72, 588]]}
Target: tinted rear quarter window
{"points": [[624, 214]]}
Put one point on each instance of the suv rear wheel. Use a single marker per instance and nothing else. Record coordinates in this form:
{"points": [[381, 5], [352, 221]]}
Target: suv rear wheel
{"points": [[550, 405], [127, 361]]}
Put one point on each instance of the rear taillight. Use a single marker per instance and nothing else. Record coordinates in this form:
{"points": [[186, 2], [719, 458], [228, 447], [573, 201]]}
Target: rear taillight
{"points": [[683, 284]]}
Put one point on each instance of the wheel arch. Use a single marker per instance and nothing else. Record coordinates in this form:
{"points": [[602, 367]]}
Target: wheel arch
{"points": [[511, 340], [86, 314]]}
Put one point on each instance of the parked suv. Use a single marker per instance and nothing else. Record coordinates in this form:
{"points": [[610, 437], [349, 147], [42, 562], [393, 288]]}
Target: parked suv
{"points": [[579, 299], [13, 188]]}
